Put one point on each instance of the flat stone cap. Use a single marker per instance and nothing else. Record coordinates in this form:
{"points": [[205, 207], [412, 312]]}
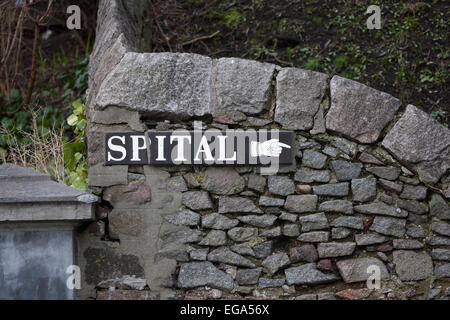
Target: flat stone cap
{"points": [[24, 185]]}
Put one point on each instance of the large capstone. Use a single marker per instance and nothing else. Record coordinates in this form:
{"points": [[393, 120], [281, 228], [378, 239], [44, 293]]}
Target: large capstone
{"points": [[422, 143], [359, 112]]}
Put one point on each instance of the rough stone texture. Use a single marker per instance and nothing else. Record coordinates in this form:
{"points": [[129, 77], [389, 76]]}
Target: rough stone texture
{"points": [[412, 266], [354, 294], [299, 94], [301, 203], [315, 236], [159, 83], [218, 221], [420, 142], [441, 254], [369, 239], [275, 262], [356, 270], [197, 274], [340, 233], [388, 173], [439, 207], [237, 204], [314, 159], [248, 276], [364, 189], [339, 206], [317, 221], [380, 208], [136, 192], [183, 218], [306, 253], [177, 183], [407, 244], [308, 176], [308, 274], [263, 249], [225, 255], [348, 222], [223, 181], [127, 295], [413, 206], [335, 249], [290, 230], [241, 234], [281, 185], [256, 183], [414, 192], [346, 170], [214, 238], [390, 186], [332, 189], [270, 202], [441, 228], [261, 221], [442, 271], [242, 85], [359, 112], [264, 283], [389, 226], [197, 200]]}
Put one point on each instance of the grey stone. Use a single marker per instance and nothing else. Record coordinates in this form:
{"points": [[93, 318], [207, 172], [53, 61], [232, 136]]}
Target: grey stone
{"points": [[301, 203], [306, 297], [441, 228], [442, 271], [308, 274], [326, 296], [364, 189], [104, 176], [339, 206], [129, 196], [412, 266], [413, 192], [281, 185], [248, 276], [385, 198], [380, 208], [441, 254], [114, 115], [299, 95], [214, 238], [360, 121], [315, 236], [261, 221], [368, 158], [223, 181], [180, 255], [248, 193], [256, 122], [243, 249], [197, 200], [406, 244], [242, 85], [413, 206], [125, 282], [315, 221], [265, 283], [340, 233], [191, 180], [335, 249], [265, 201], [183, 218], [306, 253], [422, 143], [271, 233], [177, 183], [199, 254], [356, 270], [346, 170], [159, 83], [390, 186], [237, 205], [348, 222], [389, 226], [438, 241], [409, 180], [263, 249], [256, 183], [332, 189], [308, 145], [309, 176], [241, 234], [225, 255], [275, 262], [330, 151], [366, 239], [196, 274], [218, 221], [290, 230], [288, 216], [439, 207], [182, 236], [314, 159], [388, 173], [348, 147], [414, 231]]}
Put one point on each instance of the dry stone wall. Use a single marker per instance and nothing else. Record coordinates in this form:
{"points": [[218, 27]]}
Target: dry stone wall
{"points": [[369, 185]]}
